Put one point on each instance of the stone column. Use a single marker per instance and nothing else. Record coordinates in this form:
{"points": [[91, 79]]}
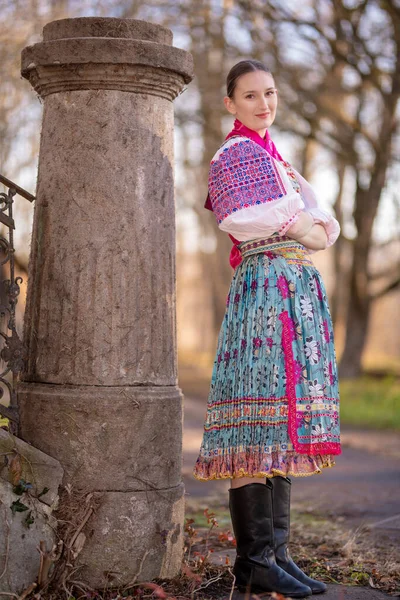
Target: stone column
{"points": [[100, 391]]}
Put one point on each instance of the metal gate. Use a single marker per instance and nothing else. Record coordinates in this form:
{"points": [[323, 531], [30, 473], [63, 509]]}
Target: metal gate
{"points": [[13, 352]]}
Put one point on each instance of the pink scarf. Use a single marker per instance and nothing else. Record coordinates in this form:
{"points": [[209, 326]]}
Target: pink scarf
{"points": [[235, 257]]}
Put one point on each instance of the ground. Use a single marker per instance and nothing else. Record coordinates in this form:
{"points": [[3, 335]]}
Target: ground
{"points": [[345, 526], [345, 521]]}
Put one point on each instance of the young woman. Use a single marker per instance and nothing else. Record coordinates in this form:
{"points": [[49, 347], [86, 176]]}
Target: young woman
{"points": [[273, 407]]}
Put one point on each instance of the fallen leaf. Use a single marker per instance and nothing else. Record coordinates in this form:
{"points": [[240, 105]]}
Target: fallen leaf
{"points": [[29, 520], [18, 506], [43, 492], [15, 469]]}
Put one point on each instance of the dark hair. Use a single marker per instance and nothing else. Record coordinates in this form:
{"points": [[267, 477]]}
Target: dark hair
{"points": [[241, 68]]}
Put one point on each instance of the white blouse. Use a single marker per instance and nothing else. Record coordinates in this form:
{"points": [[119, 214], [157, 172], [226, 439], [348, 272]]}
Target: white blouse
{"points": [[253, 196]]}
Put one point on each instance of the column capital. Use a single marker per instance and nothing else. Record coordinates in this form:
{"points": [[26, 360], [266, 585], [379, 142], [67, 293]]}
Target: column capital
{"points": [[90, 53]]}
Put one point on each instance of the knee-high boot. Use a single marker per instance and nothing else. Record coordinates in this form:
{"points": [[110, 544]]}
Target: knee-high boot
{"points": [[255, 567], [281, 516]]}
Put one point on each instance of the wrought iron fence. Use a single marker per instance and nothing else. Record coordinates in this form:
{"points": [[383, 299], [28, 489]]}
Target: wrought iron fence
{"points": [[13, 352]]}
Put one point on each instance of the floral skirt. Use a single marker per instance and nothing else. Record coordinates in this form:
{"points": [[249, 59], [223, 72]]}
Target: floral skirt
{"points": [[273, 406]]}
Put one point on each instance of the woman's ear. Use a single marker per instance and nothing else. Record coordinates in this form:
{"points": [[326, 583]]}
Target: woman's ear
{"points": [[229, 105]]}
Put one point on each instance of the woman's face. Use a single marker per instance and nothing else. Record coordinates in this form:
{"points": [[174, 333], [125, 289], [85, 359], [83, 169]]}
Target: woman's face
{"points": [[254, 101]]}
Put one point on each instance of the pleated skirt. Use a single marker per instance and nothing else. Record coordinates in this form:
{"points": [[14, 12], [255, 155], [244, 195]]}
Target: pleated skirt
{"points": [[273, 405]]}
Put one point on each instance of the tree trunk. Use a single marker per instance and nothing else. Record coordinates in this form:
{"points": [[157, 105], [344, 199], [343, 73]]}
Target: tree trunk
{"points": [[365, 209], [209, 53], [340, 270], [358, 310]]}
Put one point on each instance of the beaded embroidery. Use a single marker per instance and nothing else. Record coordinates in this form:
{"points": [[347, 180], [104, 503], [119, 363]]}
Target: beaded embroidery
{"points": [[293, 252], [290, 173], [243, 175]]}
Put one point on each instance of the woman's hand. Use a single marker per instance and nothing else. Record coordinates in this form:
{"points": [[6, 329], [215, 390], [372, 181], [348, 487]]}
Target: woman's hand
{"points": [[315, 239], [301, 227], [312, 235]]}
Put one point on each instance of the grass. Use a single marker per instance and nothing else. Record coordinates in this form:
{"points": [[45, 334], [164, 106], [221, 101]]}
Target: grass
{"points": [[320, 544], [370, 402]]}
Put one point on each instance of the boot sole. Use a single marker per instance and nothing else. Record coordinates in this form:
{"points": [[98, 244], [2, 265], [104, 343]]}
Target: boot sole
{"points": [[257, 590]]}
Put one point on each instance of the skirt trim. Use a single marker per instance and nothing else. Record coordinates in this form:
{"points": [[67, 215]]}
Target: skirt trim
{"points": [[212, 470], [268, 399], [268, 475], [303, 448]]}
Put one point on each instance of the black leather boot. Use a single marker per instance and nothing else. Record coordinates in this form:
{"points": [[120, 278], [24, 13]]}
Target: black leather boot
{"points": [[255, 567], [281, 487]]}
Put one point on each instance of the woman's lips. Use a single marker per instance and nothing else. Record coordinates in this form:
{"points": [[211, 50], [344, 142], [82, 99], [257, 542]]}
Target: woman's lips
{"points": [[262, 116]]}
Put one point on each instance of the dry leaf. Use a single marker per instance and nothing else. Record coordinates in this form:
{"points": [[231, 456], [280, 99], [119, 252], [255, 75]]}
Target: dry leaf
{"points": [[15, 469]]}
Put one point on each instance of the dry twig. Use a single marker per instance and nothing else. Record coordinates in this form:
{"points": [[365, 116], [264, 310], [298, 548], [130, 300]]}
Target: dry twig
{"points": [[7, 541], [133, 583], [28, 591]]}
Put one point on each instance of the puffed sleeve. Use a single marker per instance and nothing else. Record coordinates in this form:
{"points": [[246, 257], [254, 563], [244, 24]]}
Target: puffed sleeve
{"points": [[250, 192], [329, 222], [319, 215]]}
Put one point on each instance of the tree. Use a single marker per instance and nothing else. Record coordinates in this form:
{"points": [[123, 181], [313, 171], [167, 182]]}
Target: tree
{"points": [[336, 64], [353, 72]]}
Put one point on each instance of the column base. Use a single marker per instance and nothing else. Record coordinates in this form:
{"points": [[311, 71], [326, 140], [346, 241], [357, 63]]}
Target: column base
{"points": [[106, 438], [132, 532]]}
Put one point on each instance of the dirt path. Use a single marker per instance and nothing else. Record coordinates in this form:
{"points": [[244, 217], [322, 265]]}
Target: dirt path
{"points": [[339, 592], [363, 488]]}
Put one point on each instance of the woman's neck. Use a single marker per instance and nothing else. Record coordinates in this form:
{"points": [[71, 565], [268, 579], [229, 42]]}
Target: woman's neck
{"points": [[240, 126]]}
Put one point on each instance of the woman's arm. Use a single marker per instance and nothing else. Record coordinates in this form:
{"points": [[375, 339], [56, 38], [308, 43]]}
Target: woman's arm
{"points": [[273, 207], [312, 235], [315, 239]]}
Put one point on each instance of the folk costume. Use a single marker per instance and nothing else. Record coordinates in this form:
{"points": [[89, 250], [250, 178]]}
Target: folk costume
{"points": [[273, 406]]}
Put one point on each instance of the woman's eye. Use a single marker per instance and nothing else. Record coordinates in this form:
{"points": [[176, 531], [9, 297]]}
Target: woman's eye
{"points": [[270, 93]]}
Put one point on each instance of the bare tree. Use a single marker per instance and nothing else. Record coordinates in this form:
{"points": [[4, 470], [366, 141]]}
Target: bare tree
{"points": [[345, 97], [337, 68], [204, 25]]}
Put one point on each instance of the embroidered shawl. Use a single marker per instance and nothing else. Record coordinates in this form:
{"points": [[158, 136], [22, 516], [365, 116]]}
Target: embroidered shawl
{"points": [[250, 173]]}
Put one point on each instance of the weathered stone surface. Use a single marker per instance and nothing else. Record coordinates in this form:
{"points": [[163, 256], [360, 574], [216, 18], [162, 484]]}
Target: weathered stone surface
{"points": [[145, 525], [19, 557], [36, 467], [84, 50], [139, 79], [75, 56], [99, 391], [107, 438], [101, 301], [101, 289], [108, 27]]}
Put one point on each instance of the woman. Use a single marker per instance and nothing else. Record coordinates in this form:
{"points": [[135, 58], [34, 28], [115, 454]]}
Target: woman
{"points": [[273, 407]]}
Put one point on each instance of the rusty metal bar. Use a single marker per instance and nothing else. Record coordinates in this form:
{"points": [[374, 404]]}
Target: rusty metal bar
{"points": [[13, 352]]}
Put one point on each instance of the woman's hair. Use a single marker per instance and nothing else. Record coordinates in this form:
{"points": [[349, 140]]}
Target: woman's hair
{"points": [[241, 68]]}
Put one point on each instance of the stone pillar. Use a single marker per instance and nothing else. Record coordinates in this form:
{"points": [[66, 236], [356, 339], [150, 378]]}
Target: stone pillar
{"points": [[100, 391]]}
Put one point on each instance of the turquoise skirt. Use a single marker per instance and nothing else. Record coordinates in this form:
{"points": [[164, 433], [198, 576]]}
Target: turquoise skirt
{"points": [[273, 406]]}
